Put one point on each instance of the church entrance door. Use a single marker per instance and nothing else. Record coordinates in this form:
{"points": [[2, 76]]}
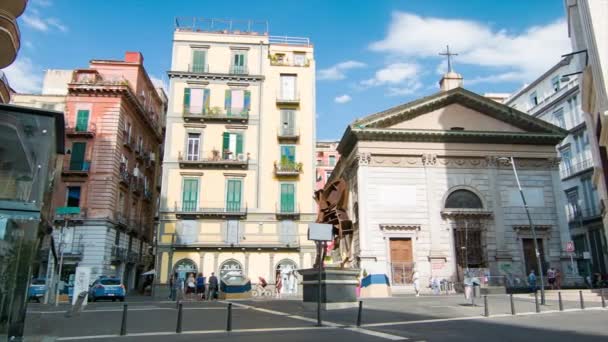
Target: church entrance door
{"points": [[402, 264]]}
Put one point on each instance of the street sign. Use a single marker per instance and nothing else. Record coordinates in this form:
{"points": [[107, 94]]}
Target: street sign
{"points": [[67, 211], [570, 247], [320, 232]]}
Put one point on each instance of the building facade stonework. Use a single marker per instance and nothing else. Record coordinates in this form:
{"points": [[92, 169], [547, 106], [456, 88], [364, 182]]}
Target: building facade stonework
{"points": [[431, 190]]}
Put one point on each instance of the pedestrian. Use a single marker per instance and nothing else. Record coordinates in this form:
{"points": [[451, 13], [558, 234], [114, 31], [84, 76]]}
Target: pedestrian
{"points": [[190, 285], [551, 277], [435, 285], [172, 288], [558, 279], [278, 284], [213, 285], [532, 281], [200, 286], [416, 281]]}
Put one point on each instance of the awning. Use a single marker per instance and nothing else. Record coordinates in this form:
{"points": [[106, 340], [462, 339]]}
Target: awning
{"points": [[150, 272]]}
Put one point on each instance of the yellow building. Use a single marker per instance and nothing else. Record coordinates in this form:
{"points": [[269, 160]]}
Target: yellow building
{"points": [[238, 170]]}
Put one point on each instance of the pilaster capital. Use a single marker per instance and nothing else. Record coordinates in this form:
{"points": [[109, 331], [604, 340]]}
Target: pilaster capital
{"points": [[364, 158]]}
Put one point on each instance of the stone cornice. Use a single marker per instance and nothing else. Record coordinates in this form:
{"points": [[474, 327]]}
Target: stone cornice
{"points": [[215, 76], [544, 228], [456, 213], [430, 160], [400, 227]]}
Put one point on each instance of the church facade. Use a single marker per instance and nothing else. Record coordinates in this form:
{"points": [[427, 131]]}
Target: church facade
{"points": [[431, 189]]}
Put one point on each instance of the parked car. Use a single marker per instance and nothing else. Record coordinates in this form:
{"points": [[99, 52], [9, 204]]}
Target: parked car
{"points": [[107, 288], [37, 289]]}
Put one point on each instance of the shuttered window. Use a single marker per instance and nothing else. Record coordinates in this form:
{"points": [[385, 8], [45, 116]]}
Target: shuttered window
{"points": [[232, 146], [199, 61], [288, 198], [233, 195], [82, 121], [190, 194], [77, 162]]}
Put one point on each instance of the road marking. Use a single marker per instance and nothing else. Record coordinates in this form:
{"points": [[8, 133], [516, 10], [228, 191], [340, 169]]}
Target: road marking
{"points": [[378, 334], [130, 309]]}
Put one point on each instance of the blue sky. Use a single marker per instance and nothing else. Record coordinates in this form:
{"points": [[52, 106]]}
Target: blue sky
{"points": [[370, 55]]}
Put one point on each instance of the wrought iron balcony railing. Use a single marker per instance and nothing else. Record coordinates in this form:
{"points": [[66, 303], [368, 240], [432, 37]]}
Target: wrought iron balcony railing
{"points": [[215, 114], [77, 168], [575, 214], [287, 210], [287, 168], [84, 132], [239, 70], [206, 209], [213, 159], [569, 169], [288, 133], [286, 98]]}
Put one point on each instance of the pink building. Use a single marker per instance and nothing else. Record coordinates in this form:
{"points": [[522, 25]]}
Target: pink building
{"points": [[327, 157], [111, 171]]}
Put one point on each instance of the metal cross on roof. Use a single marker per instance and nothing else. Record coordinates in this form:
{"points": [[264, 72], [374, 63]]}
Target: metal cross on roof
{"points": [[449, 54]]}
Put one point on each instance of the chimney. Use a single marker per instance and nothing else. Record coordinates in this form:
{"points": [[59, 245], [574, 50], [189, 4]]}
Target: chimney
{"points": [[134, 57], [450, 80]]}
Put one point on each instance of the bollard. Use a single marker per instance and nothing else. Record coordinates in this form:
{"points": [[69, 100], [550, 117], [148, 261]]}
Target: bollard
{"points": [[582, 301], [486, 309], [512, 304], [536, 302], [229, 318], [178, 329], [559, 298], [177, 302], [359, 313], [123, 323], [603, 299]]}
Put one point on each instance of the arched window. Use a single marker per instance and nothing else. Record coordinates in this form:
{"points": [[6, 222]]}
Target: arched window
{"points": [[183, 268], [463, 199]]}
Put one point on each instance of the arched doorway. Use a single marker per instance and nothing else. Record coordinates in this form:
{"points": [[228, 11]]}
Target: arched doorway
{"points": [[183, 268], [466, 214], [286, 272], [231, 269]]}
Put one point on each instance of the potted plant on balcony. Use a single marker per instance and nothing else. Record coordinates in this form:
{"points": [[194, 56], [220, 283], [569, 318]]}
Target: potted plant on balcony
{"points": [[215, 154]]}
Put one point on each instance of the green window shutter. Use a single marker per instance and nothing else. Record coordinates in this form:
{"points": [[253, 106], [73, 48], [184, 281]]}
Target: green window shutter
{"points": [[239, 143], [287, 198], [77, 157], [82, 121], [190, 195], [206, 100], [228, 100], [233, 195], [186, 100], [225, 144], [198, 61], [247, 104]]}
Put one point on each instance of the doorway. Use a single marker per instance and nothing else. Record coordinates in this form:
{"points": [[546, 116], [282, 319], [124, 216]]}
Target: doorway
{"points": [[530, 255], [402, 265]]}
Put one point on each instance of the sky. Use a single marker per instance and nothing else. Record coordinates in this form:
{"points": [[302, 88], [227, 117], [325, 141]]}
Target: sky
{"points": [[370, 55]]}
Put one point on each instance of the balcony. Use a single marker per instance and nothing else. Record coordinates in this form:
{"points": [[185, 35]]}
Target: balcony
{"points": [[213, 160], [118, 254], [288, 134], [577, 215], [216, 114], [9, 38], [547, 100], [280, 59], [77, 169], [286, 99], [569, 170], [124, 175], [213, 210], [128, 141], [148, 195], [287, 211], [137, 186], [121, 220], [198, 69], [242, 240], [72, 218], [139, 153], [5, 89], [133, 257], [79, 132], [287, 169], [239, 70]]}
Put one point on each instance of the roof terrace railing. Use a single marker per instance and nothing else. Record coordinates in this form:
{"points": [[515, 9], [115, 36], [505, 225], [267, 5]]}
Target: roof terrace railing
{"points": [[286, 40], [199, 24]]}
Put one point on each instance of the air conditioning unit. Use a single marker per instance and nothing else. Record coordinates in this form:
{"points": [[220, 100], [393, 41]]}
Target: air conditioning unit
{"points": [[241, 157]]}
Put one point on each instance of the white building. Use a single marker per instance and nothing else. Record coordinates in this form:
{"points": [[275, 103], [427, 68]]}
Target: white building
{"points": [[557, 100]]}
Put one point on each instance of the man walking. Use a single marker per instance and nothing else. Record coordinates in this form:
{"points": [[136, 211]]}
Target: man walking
{"points": [[532, 281], [551, 277], [213, 286], [200, 286]]}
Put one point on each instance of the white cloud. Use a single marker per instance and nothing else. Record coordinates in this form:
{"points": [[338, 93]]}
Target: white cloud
{"points": [[33, 19], [342, 99], [35, 22], [527, 54], [401, 79], [24, 76], [338, 71], [57, 24], [42, 3], [28, 44]]}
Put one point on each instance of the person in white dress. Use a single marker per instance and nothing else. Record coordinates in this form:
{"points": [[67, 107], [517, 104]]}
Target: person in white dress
{"points": [[416, 281]]}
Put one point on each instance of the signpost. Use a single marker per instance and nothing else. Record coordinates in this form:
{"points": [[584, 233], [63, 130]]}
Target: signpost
{"points": [[66, 212], [320, 233], [570, 250]]}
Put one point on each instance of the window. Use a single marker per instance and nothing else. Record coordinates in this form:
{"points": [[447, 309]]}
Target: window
{"points": [[566, 154], [327, 175], [288, 87], [573, 205], [194, 142], [117, 239], [581, 141], [288, 232], [288, 154], [239, 63], [332, 160], [196, 100], [533, 99], [299, 59], [121, 202], [288, 198], [199, 58], [555, 83], [589, 196], [232, 146], [128, 131], [319, 162], [288, 123], [140, 144], [233, 232], [233, 195], [77, 162], [558, 117], [463, 199], [73, 199], [190, 194], [237, 102], [82, 121]]}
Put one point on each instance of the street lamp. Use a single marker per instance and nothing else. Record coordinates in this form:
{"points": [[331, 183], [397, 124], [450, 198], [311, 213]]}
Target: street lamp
{"points": [[523, 199]]}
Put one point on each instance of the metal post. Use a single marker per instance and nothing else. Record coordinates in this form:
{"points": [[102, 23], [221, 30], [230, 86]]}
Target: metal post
{"points": [[62, 247], [536, 301], [359, 313], [582, 301], [178, 329], [123, 323], [603, 299], [229, 318], [486, 309], [512, 304], [533, 229], [319, 268], [559, 299]]}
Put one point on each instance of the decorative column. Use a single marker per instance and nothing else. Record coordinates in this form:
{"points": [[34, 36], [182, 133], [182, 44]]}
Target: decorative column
{"points": [[433, 210], [201, 262], [246, 266], [271, 269], [502, 252], [362, 176], [562, 227], [216, 256]]}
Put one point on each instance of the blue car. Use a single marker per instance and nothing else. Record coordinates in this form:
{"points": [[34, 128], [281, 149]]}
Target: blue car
{"points": [[37, 289], [107, 288]]}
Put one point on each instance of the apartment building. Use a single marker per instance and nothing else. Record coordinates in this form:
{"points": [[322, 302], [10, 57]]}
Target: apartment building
{"points": [[10, 41], [238, 172], [327, 157], [556, 98]]}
